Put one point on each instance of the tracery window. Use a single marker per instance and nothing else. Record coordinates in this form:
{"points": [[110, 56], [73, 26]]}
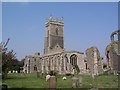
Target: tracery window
{"points": [[73, 59]]}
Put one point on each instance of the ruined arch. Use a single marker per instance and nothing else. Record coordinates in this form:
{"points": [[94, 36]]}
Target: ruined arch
{"points": [[115, 33]]}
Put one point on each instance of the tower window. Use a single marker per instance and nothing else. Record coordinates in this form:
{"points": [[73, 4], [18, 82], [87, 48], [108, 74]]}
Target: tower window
{"points": [[56, 31], [48, 33]]}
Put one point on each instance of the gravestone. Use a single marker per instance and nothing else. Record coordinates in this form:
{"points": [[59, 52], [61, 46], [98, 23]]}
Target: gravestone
{"points": [[13, 71], [16, 71], [80, 80], [47, 77], [52, 82], [93, 76], [9, 72], [75, 82], [4, 87], [38, 74], [23, 74], [64, 78]]}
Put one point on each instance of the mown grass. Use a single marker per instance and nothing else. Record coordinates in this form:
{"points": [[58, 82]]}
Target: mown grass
{"points": [[31, 81]]}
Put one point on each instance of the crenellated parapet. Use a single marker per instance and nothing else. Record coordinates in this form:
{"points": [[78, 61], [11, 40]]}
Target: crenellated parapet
{"points": [[56, 21]]}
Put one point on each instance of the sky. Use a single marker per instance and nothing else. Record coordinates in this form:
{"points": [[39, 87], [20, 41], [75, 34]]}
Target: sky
{"points": [[86, 24]]}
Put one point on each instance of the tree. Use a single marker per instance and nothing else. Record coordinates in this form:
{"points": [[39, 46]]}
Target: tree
{"points": [[77, 68], [9, 61]]}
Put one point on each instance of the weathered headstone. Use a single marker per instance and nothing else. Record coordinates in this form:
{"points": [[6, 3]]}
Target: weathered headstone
{"points": [[38, 74], [47, 77], [16, 71], [64, 78], [80, 80], [9, 72], [13, 71], [52, 82], [4, 87], [93, 76], [23, 74], [75, 82]]}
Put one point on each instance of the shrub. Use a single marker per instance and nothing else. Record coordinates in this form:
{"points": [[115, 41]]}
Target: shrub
{"points": [[68, 74], [52, 73], [77, 68]]}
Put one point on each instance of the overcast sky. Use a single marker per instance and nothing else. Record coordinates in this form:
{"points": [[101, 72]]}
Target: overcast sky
{"points": [[85, 25]]}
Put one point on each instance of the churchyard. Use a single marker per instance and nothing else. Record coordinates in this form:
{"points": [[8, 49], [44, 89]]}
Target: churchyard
{"points": [[20, 80]]}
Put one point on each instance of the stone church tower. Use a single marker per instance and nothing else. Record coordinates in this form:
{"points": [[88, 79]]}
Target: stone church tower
{"points": [[55, 58], [54, 40]]}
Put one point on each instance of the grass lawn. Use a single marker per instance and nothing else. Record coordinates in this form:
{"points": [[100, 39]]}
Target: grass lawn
{"points": [[31, 81]]}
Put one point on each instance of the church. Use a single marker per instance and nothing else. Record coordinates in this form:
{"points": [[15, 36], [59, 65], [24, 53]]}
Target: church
{"points": [[55, 57]]}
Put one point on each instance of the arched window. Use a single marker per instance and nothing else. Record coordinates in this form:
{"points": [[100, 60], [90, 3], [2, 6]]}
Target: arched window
{"points": [[35, 68], [108, 55], [35, 59], [58, 60], [73, 59], [66, 61], [56, 31], [66, 58], [48, 33], [115, 37], [29, 65]]}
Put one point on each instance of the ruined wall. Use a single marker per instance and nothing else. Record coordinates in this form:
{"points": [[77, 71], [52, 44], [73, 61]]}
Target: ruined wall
{"points": [[112, 56], [94, 61], [32, 64], [112, 53]]}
